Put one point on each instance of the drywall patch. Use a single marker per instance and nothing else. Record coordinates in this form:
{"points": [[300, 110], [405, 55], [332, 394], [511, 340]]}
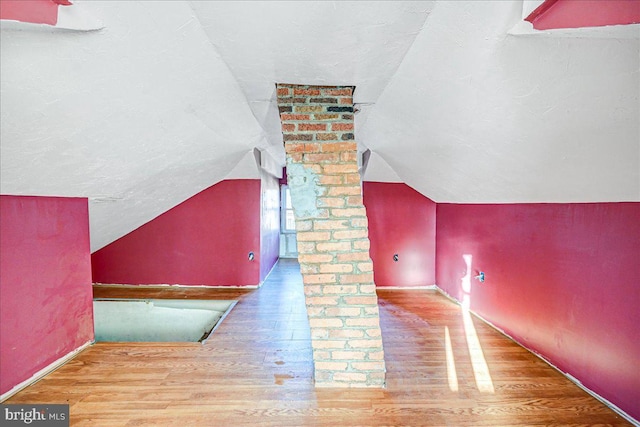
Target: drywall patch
{"points": [[303, 184]]}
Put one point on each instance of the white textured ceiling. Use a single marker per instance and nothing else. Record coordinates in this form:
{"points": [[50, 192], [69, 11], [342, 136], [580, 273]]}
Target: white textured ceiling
{"points": [[172, 96]]}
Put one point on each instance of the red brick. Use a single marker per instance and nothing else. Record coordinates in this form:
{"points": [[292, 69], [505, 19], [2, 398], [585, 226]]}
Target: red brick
{"points": [[302, 147], [363, 321], [308, 108], [350, 376], [329, 224], [351, 178], [371, 310], [326, 116], [353, 256], [320, 333], [288, 117], [376, 377], [328, 344], [313, 236], [369, 300], [297, 137], [338, 92], [365, 266], [365, 343], [349, 157], [341, 126], [294, 157], [326, 322], [333, 247], [362, 245], [304, 225], [310, 290], [339, 146], [329, 289], [357, 278], [288, 127], [359, 222], [349, 190], [294, 147], [347, 355], [283, 91], [348, 212], [324, 100], [306, 247], [322, 301], [330, 180], [340, 169], [321, 158], [350, 234], [377, 355], [346, 333], [368, 366], [345, 101], [326, 137], [333, 366], [311, 258], [355, 200], [312, 126], [370, 288], [346, 312], [312, 92], [336, 268], [318, 278], [315, 311], [309, 269], [373, 332], [321, 355]]}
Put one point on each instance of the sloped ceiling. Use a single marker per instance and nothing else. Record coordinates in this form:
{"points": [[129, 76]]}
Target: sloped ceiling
{"points": [[170, 97]]}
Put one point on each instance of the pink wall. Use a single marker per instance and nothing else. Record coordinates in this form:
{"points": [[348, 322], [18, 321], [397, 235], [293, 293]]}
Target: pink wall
{"points": [[401, 221], [562, 279], [34, 11], [205, 240], [269, 224], [584, 13], [46, 309]]}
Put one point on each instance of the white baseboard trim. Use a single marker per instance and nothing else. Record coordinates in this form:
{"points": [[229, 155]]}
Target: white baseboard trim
{"points": [[114, 285], [44, 371], [407, 288], [570, 377]]}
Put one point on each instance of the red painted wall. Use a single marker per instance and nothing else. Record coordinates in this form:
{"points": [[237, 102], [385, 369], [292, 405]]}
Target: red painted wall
{"points": [[553, 14], [269, 224], [46, 309], [205, 240], [562, 279], [401, 221], [34, 11]]}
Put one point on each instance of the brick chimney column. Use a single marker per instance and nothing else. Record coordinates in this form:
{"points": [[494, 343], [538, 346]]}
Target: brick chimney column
{"points": [[332, 234]]}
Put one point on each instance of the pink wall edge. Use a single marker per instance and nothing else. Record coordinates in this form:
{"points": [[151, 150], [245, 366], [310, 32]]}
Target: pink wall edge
{"points": [[46, 309], [555, 14]]}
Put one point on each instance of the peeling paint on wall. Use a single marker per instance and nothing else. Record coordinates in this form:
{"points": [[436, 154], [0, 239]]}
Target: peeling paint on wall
{"points": [[303, 184]]}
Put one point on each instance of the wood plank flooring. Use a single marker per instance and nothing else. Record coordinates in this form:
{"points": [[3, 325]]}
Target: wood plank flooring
{"points": [[256, 370]]}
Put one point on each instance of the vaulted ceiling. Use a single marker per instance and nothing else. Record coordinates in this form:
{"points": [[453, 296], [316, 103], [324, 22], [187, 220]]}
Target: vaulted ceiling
{"points": [[138, 105]]}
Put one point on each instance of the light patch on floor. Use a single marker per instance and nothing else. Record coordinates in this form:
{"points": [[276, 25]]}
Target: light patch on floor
{"points": [[157, 320]]}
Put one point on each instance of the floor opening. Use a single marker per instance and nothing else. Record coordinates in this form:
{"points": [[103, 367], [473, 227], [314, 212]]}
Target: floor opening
{"points": [[157, 320]]}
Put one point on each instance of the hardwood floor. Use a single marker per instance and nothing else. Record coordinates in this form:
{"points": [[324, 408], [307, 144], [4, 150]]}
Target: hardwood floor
{"points": [[256, 370]]}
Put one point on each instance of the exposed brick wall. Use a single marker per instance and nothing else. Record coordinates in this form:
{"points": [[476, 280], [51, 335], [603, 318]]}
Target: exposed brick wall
{"points": [[333, 243]]}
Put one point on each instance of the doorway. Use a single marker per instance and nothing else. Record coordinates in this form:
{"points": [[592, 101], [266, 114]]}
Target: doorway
{"points": [[288, 242]]}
